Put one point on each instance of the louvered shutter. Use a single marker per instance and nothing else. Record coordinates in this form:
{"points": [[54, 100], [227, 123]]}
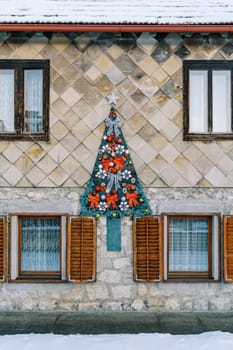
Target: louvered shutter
{"points": [[2, 248], [82, 249], [147, 249], [228, 248]]}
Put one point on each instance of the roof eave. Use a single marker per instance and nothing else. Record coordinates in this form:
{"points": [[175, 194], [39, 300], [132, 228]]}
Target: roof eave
{"points": [[70, 27]]}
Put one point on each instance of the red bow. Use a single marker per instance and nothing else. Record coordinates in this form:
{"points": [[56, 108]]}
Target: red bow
{"points": [[94, 200], [111, 200], [119, 162], [132, 198]]}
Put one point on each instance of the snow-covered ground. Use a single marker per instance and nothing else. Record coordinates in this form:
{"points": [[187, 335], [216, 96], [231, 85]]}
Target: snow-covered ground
{"points": [[204, 341]]}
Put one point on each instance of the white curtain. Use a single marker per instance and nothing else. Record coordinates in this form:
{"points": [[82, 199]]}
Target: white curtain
{"points": [[188, 244], [221, 101], [33, 100], [40, 244], [7, 100], [198, 102]]}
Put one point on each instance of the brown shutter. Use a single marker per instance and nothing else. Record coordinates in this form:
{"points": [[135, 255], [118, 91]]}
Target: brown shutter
{"points": [[147, 249], [2, 249], [228, 248], [82, 249]]}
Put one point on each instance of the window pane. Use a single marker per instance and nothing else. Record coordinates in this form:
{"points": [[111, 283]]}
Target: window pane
{"points": [[33, 100], [198, 101], [188, 245], [40, 244], [221, 101], [7, 100]]}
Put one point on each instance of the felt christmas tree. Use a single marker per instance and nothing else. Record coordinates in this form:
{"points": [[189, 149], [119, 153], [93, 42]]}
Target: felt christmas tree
{"points": [[114, 189]]}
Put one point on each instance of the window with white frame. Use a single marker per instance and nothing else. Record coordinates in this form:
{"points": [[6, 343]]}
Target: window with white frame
{"points": [[207, 100], [38, 247]]}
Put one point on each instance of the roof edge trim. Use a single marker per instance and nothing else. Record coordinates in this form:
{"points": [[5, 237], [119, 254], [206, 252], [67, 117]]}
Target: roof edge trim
{"points": [[59, 27]]}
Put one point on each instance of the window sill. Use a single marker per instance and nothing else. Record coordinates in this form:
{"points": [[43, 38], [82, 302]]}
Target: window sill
{"points": [[24, 137], [208, 137], [37, 280], [190, 277]]}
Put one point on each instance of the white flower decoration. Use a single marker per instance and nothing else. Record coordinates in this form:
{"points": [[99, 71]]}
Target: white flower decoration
{"points": [[102, 206], [126, 174], [106, 148], [101, 173], [123, 206], [120, 149]]}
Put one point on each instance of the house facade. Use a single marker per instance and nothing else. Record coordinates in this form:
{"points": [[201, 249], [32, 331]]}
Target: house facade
{"points": [[173, 81]]}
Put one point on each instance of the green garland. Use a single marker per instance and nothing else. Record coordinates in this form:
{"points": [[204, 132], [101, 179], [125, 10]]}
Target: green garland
{"points": [[114, 189]]}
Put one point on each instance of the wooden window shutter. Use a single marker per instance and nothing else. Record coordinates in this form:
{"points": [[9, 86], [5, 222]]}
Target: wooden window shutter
{"points": [[2, 248], [228, 248], [82, 249], [147, 249]]}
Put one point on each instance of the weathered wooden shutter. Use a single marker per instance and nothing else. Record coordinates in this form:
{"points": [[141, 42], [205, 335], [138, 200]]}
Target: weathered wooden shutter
{"points": [[2, 248], [228, 248], [82, 249], [147, 249]]}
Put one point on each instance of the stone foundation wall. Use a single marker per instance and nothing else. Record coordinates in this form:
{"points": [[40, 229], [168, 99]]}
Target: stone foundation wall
{"points": [[114, 289]]}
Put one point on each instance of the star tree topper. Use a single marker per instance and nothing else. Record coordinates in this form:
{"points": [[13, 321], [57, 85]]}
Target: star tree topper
{"points": [[112, 99]]}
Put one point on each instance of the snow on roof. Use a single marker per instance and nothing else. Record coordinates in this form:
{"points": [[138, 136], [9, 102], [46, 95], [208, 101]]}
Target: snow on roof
{"points": [[117, 11]]}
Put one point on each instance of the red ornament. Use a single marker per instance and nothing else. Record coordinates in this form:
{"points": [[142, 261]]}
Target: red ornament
{"points": [[113, 170], [110, 139]]}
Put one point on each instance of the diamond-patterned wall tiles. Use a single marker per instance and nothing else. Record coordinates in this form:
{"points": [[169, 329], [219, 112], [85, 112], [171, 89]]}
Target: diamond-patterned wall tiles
{"points": [[146, 73], [12, 153], [12, 175]]}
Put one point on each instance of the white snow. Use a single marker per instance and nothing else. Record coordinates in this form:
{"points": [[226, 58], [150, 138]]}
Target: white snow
{"points": [[117, 11], [204, 341]]}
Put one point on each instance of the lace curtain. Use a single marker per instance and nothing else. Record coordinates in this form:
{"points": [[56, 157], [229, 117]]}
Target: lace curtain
{"points": [[7, 100], [33, 100], [40, 244], [188, 245], [198, 117], [221, 101]]}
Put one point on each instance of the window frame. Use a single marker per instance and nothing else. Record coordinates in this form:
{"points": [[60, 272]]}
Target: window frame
{"points": [[209, 66], [18, 66], [213, 255], [37, 276]]}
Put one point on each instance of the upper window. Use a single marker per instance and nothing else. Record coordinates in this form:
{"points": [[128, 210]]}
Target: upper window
{"points": [[24, 99], [208, 100]]}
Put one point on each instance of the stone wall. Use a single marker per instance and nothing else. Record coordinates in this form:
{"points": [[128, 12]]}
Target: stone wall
{"points": [[114, 289]]}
